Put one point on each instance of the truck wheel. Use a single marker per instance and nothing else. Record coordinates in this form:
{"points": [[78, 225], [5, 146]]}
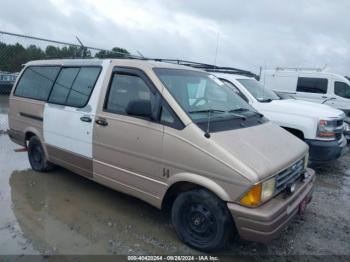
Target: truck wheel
{"points": [[36, 155], [201, 220]]}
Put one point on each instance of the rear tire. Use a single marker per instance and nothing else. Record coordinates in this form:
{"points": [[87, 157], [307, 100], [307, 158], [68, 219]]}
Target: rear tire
{"points": [[202, 220], [37, 157]]}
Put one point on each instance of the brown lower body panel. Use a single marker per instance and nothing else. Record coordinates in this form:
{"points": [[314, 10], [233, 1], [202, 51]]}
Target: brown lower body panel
{"points": [[264, 223], [77, 163], [17, 137]]}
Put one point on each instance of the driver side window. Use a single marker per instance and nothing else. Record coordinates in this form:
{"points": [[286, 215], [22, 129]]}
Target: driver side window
{"points": [[342, 89], [126, 88]]}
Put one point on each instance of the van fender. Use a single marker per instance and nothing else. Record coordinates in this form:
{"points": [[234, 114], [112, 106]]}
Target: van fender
{"points": [[200, 181]]}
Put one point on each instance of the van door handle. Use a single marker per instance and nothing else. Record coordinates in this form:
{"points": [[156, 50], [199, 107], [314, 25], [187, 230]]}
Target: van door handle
{"points": [[324, 96], [86, 119], [101, 122]]}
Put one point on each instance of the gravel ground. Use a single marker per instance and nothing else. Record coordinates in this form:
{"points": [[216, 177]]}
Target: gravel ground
{"points": [[62, 213]]}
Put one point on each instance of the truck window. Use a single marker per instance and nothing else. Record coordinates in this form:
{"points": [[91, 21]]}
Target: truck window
{"points": [[74, 86], [235, 89], [312, 85], [36, 82], [342, 89], [124, 89]]}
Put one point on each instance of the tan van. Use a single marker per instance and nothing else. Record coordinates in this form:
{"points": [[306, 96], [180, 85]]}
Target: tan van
{"points": [[173, 136]]}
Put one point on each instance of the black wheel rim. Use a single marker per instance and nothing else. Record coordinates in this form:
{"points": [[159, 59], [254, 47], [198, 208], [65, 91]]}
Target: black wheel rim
{"points": [[36, 156], [199, 223]]}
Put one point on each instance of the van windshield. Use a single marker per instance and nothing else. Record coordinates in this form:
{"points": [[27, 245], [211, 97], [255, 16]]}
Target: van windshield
{"points": [[261, 93], [201, 94]]}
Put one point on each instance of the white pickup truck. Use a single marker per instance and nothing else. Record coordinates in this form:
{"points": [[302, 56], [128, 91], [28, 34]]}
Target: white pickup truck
{"points": [[314, 85], [320, 126]]}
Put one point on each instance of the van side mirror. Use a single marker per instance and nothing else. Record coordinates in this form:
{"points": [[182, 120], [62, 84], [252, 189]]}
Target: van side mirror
{"points": [[139, 108]]}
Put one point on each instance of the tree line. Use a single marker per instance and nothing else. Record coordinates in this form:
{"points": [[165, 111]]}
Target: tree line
{"points": [[13, 56]]}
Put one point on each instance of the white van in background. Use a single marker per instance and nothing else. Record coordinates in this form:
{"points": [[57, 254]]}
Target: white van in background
{"points": [[314, 85]]}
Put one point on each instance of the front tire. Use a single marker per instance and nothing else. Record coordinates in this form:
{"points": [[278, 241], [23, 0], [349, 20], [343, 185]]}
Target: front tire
{"points": [[37, 157], [202, 220]]}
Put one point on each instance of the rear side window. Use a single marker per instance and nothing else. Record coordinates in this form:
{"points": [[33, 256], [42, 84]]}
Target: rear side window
{"points": [[74, 86], [312, 85], [63, 85], [36, 82]]}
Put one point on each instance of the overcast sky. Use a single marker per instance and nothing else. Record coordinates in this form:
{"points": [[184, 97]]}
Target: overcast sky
{"points": [[248, 34]]}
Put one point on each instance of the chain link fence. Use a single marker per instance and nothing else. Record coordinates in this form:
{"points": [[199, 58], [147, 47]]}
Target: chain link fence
{"points": [[16, 50]]}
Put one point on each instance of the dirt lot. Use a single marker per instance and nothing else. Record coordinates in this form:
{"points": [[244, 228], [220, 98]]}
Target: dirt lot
{"points": [[62, 213]]}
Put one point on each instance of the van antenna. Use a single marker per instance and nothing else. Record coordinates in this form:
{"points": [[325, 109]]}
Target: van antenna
{"points": [[207, 133], [260, 70], [217, 48]]}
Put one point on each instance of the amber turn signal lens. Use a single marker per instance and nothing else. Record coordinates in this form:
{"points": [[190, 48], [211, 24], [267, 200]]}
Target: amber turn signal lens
{"points": [[252, 197], [326, 134]]}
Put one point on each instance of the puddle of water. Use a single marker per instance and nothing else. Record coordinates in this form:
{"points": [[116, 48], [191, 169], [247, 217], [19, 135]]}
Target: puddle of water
{"points": [[73, 215], [12, 240], [61, 212]]}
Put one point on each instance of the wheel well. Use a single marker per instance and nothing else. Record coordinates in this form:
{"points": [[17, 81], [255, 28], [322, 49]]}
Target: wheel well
{"points": [[295, 132], [28, 136], [174, 191]]}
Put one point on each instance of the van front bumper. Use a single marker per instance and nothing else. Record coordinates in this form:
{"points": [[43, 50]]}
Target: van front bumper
{"points": [[325, 151], [264, 223]]}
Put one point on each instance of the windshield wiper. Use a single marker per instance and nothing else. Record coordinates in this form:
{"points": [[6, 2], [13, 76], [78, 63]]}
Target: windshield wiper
{"points": [[241, 109], [267, 100], [207, 111], [237, 115]]}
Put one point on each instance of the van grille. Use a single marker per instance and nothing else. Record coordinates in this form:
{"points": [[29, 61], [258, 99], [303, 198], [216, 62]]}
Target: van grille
{"points": [[340, 129], [338, 136], [340, 122], [289, 175]]}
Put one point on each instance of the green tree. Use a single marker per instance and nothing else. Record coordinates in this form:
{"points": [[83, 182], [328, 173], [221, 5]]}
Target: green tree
{"points": [[116, 52], [13, 56]]}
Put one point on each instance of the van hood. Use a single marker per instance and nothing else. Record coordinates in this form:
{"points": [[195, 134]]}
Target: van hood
{"points": [[299, 107], [265, 149]]}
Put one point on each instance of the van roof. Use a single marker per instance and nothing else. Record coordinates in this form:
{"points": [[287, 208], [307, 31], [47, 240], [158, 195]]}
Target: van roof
{"points": [[124, 62], [291, 72], [232, 76]]}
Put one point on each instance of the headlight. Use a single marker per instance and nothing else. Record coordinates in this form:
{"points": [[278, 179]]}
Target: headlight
{"points": [[326, 129], [259, 193]]}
